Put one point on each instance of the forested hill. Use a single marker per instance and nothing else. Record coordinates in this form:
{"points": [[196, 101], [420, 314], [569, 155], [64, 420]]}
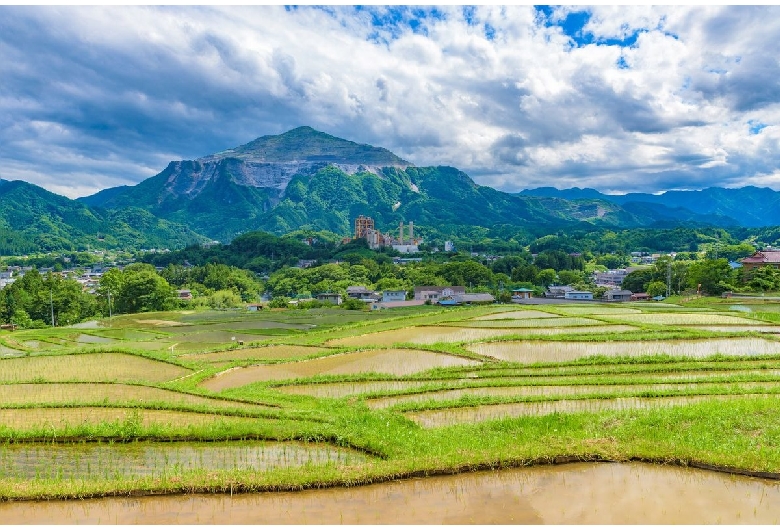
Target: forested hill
{"points": [[748, 206], [35, 220]]}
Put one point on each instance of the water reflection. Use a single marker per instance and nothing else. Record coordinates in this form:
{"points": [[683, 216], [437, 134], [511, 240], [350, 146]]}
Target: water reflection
{"points": [[571, 494]]}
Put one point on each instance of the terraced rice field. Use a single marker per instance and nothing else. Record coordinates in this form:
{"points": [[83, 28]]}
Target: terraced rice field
{"points": [[352, 378], [529, 313], [397, 362], [93, 367], [267, 353], [553, 392], [684, 319], [446, 417], [108, 394], [540, 351], [58, 419], [93, 460]]}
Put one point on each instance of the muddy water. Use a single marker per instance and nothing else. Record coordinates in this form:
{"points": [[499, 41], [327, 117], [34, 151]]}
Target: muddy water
{"points": [[83, 461], [568, 494]]}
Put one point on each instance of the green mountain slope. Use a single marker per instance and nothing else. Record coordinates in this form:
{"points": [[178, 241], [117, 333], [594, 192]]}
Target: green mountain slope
{"points": [[34, 220]]}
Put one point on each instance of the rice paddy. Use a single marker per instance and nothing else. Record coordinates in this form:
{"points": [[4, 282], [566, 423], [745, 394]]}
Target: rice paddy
{"points": [[330, 397], [92, 367], [397, 362], [445, 417], [538, 351], [95, 460]]}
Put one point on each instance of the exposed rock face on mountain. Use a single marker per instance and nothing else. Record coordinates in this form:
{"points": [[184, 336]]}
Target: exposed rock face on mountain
{"points": [[223, 194]]}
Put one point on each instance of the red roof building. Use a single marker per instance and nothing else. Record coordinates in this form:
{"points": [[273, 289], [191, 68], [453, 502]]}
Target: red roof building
{"points": [[762, 258]]}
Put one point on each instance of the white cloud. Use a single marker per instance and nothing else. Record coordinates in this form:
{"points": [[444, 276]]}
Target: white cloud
{"points": [[97, 96]]}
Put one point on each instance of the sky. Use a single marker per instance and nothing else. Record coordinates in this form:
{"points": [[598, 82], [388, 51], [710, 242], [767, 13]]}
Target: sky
{"points": [[621, 99]]}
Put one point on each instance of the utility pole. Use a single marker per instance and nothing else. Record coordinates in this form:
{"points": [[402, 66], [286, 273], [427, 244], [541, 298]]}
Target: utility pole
{"points": [[668, 277], [51, 305], [109, 305]]}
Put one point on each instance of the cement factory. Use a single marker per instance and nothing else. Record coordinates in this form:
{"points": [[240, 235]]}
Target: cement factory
{"points": [[364, 229]]}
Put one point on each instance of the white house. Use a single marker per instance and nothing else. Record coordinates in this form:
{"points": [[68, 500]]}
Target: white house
{"points": [[579, 295], [393, 296]]}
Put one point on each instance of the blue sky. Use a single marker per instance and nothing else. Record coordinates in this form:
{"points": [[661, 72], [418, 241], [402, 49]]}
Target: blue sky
{"points": [[620, 99]]}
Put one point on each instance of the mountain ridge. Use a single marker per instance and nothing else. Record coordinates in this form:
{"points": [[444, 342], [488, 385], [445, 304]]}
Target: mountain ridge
{"points": [[307, 179]]}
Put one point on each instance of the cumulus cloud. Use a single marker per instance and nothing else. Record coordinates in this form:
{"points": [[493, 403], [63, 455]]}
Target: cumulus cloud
{"points": [[618, 98]]}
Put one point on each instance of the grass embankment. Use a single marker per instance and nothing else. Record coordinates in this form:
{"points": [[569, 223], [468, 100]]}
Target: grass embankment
{"points": [[121, 392]]}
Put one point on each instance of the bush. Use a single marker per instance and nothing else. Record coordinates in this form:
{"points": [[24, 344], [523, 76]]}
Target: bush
{"points": [[279, 302]]}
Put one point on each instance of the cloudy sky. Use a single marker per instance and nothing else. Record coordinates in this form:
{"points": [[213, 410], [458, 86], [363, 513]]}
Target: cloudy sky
{"points": [[615, 98]]}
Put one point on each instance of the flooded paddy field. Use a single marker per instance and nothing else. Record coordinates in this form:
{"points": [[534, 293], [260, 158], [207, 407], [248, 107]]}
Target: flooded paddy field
{"points": [[584, 493], [553, 392], [132, 460], [267, 353], [88, 367], [554, 322], [454, 416], [529, 313], [105, 394], [397, 362], [552, 351], [58, 419], [466, 331], [682, 319]]}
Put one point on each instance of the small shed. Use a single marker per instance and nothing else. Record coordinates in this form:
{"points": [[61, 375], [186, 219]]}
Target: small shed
{"points": [[618, 295], [333, 298], [521, 294]]}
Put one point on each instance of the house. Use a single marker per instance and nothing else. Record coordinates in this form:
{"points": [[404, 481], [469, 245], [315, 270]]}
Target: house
{"points": [[762, 258], [618, 295], [360, 292], [394, 296], [183, 294], [579, 295], [521, 294], [333, 298], [254, 307], [306, 263], [636, 297], [433, 293]]}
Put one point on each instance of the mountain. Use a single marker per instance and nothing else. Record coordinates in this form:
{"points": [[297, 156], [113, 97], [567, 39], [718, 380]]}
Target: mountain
{"points": [[34, 220], [748, 206], [228, 193], [306, 179]]}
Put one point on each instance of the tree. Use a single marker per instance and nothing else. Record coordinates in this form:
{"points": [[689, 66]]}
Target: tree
{"points": [[546, 277], [656, 289], [143, 290], [637, 281], [714, 276]]}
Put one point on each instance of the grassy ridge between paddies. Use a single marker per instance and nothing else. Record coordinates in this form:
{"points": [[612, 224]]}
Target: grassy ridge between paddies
{"points": [[739, 432]]}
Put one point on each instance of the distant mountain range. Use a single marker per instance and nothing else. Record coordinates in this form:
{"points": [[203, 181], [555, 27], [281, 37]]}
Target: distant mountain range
{"points": [[306, 179], [748, 206]]}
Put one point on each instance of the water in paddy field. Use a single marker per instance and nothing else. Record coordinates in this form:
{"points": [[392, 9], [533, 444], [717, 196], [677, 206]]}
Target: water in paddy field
{"points": [[568, 494]]}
